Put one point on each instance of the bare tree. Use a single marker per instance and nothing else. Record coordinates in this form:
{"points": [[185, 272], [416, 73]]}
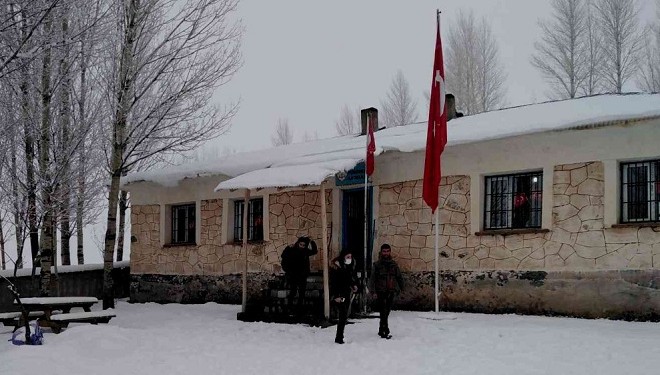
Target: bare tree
{"points": [[474, 73], [348, 122], [45, 171], [649, 79], [594, 52], [44, 137], [311, 136], [17, 50], [283, 134], [399, 108], [561, 54], [167, 60], [622, 40], [89, 180], [491, 76]]}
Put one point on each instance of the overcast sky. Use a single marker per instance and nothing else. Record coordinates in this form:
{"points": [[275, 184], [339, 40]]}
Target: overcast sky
{"points": [[305, 59]]}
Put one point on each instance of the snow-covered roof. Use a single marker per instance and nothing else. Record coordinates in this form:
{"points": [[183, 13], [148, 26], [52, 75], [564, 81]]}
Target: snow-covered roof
{"points": [[310, 163]]}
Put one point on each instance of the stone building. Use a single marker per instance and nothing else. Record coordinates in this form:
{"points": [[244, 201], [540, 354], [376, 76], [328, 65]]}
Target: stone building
{"points": [[551, 208]]}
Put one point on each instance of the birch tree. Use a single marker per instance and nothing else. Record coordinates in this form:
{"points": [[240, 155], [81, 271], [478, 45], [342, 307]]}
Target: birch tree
{"points": [[88, 110], [46, 90], [594, 52], [283, 135], [474, 72], [649, 79], [63, 187], [561, 55], [169, 59], [619, 24], [40, 80], [12, 188], [16, 50], [399, 107], [348, 122]]}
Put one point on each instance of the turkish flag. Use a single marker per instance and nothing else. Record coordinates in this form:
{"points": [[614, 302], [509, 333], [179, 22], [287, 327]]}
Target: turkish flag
{"points": [[371, 146], [436, 137]]}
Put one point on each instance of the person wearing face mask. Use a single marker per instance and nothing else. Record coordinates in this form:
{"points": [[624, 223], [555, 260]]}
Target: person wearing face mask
{"points": [[386, 283], [343, 283]]}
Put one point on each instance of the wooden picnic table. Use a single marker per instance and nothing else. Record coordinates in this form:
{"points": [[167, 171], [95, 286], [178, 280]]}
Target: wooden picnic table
{"points": [[52, 306], [64, 304]]}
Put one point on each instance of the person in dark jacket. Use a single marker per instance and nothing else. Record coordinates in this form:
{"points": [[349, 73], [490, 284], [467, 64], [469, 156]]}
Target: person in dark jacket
{"points": [[343, 283], [295, 263], [386, 283]]}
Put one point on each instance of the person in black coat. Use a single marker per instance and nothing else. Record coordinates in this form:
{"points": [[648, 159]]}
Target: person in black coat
{"points": [[295, 263], [343, 283], [385, 283]]}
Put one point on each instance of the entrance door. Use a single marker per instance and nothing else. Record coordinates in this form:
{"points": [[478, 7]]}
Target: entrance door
{"points": [[353, 225]]}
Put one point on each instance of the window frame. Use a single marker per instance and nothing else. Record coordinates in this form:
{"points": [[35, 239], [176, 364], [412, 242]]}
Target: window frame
{"points": [[255, 231], [507, 210], [190, 220], [650, 188]]}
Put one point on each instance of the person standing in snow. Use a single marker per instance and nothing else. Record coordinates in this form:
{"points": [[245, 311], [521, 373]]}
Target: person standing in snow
{"points": [[386, 283], [295, 263], [343, 283]]}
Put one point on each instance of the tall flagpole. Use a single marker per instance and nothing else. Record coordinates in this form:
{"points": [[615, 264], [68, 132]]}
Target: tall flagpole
{"points": [[437, 240], [366, 227], [437, 302]]}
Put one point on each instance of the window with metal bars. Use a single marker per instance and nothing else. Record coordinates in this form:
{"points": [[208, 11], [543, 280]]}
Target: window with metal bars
{"points": [[255, 220], [513, 201], [183, 224], [640, 192]]}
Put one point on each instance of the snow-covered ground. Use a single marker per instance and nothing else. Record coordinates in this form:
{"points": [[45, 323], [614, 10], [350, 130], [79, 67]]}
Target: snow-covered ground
{"points": [[207, 339]]}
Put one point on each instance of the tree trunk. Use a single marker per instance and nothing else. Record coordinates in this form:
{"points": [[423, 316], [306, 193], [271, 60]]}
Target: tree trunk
{"points": [[65, 233], [29, 169], [46, 245], [80, 199], [123, 99], [123, 205], [110, 239], [29, 157], [65, 123], [2, 244], [80, 205], [18, 221]]}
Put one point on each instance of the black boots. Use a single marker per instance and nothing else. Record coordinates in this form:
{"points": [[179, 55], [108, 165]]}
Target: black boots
{"points": [[339, 338], [384, 332]]}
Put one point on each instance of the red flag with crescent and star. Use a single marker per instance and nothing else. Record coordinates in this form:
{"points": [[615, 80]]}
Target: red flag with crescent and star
{"points": [[371, 146], [436, 137]]}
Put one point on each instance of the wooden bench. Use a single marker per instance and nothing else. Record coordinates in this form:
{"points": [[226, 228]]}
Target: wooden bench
{"points": [[59, 321], [13, 319], [10, 319]]}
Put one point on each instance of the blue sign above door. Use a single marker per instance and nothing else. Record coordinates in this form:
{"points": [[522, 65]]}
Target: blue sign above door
{"points": [[353, 177]]}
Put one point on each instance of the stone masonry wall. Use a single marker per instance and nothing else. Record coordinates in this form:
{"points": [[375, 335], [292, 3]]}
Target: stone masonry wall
{"points": [[576, 241], [292, 214]]}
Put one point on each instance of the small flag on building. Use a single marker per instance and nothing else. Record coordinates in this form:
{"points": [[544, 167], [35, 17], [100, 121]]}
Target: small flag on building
{"points": [[436, 137]]}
